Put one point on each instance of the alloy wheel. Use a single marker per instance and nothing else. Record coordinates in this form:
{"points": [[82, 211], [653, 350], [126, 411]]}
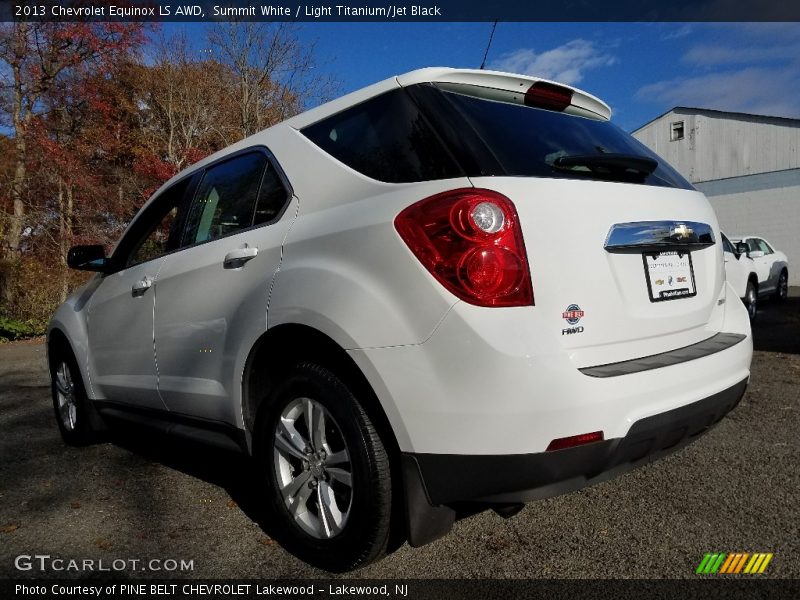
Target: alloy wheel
{"points": [[65, 393], [313, 469], [783, 287]]}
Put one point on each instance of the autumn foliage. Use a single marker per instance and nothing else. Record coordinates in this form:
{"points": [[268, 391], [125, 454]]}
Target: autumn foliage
{"points": [[94, 117]]}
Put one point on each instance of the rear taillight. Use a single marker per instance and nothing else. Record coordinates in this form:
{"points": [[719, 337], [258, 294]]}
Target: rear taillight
{"points": [[549, 96], [470, 240]]}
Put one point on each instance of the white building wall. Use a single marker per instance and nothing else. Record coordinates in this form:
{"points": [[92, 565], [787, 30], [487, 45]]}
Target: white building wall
{"points": [[681, 153], [773, 213], [727, 147], [720, 145]]}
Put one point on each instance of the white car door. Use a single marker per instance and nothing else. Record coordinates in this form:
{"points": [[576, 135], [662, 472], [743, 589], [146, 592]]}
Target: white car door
{"points": [[763, 264], [770, 263], [213, 294], [120, 313], [735, 271]]}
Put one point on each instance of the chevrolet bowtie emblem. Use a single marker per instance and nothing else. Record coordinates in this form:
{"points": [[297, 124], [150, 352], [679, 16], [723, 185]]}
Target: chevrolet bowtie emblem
{"points": [[682, 232]]}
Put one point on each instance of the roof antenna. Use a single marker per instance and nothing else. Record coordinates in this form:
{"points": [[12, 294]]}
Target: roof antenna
{"points": [[489, 45]]}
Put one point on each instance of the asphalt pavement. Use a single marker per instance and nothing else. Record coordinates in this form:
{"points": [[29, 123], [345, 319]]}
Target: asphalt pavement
{"points": [[737, 489]]}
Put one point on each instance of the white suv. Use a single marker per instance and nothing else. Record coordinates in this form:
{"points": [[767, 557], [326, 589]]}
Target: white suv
{"points": [[450, 291], [771, 266], [740, 271]]}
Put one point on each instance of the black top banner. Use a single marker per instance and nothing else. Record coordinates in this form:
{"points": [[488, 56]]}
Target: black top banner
{"points": [[399, 10]]}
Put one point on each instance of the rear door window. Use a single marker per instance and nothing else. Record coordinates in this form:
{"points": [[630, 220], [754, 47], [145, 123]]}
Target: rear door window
{"points": [[272, 197], [726, 245], [225, 201]]}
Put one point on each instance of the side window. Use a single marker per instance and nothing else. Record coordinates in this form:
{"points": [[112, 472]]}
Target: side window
{"points": [[726, 245], [272, 198], [385, 138], [751, 244], [763, 246], [159, 230], [225, 201]]}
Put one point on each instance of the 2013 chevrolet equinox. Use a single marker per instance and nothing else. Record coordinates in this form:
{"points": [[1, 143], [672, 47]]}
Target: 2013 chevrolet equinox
{"points": [[451, 290]]}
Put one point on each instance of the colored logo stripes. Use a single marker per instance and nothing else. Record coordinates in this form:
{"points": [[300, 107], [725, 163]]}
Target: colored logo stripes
{"points": [[734, 563]]}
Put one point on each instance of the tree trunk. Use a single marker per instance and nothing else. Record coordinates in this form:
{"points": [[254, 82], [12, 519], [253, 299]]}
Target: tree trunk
{"points": [[20, 119], [62, 237]]}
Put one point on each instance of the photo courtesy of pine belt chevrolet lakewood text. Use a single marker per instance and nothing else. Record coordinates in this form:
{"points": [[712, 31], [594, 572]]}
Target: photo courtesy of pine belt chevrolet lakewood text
{"points": [[451, 291]]}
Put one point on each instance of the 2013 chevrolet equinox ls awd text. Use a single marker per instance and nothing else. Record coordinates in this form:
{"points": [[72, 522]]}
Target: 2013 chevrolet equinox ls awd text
{"points": [[450, 291]]}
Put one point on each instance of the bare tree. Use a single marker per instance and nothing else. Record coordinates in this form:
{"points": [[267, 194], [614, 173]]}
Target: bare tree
{"points": [[184, 104], [276, 75]]}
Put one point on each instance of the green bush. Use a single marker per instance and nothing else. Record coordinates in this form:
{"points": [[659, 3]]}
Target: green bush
{"points": [[11, 329]]}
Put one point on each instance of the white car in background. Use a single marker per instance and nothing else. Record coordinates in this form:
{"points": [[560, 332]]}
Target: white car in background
{"points": [[740, 271], [772, 266], [447, 292]]}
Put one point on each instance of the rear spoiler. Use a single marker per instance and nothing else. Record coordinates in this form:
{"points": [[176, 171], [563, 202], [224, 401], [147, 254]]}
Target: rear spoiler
{"points": [[515, 89]]}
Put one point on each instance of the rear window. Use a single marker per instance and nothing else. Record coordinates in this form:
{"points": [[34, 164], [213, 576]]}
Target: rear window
{"points": [[526, 141], [386, 138], [421, 133]]}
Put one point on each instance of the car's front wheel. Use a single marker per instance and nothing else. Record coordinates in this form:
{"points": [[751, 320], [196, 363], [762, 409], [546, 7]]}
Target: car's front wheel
{"points": [[72, 407], [782, 291], [327, 471]]}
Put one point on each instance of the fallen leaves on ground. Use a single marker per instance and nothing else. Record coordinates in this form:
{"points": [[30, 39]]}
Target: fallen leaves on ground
{"points": [[498, 543], [266, 541], [9, 528], [103, 544]]}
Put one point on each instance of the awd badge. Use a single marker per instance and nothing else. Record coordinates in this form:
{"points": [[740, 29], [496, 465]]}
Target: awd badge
{"points": [[572, 316]]}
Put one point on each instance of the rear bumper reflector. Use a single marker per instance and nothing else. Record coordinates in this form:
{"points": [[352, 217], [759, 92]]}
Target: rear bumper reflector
{"points": [[714, 344]]}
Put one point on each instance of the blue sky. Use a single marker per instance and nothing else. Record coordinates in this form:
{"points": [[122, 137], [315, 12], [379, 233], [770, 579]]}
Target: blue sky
{"points": [[640, 69]]}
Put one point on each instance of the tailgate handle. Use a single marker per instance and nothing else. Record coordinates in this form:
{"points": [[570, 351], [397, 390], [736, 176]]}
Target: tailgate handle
{"points": [[658, 236], [236, 258]]}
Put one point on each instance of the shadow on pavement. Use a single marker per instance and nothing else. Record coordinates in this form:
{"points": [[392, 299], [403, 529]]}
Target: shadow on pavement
{"points": [[777, 327], [235, 473]]}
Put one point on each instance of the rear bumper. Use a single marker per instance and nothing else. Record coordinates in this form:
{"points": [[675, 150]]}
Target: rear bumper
{"points": [[447, 479], [512, 478], [501, 382]]}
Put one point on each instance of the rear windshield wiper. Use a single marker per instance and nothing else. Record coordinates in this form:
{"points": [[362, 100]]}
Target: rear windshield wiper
{"points": [[607, 165]]}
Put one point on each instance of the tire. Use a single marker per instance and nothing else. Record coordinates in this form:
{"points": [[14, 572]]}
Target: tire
{"points": [[75, 415], [782, 291], [328, 487], [751, 300]]}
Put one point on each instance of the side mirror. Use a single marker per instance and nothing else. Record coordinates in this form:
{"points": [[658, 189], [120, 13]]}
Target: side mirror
{"points": [[742, 248], [87, 258], [756, 254]]}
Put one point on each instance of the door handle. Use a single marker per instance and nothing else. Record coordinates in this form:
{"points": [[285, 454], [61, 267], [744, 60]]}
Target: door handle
{"points": [[236, 258], [140, 287]]}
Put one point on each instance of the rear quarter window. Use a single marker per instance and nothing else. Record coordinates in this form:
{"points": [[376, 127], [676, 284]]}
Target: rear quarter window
{"points": [[386, 138]]}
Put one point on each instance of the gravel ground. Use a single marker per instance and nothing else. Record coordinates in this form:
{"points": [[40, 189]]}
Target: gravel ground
{"points": [[736, 489]]}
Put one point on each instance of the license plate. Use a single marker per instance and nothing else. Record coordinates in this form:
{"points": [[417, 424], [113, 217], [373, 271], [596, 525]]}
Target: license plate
{"points": [[669, 275]]}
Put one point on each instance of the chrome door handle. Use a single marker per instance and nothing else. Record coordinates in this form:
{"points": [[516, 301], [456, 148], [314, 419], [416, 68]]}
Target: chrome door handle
{"points": [[140, 287], [236, 258]]}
